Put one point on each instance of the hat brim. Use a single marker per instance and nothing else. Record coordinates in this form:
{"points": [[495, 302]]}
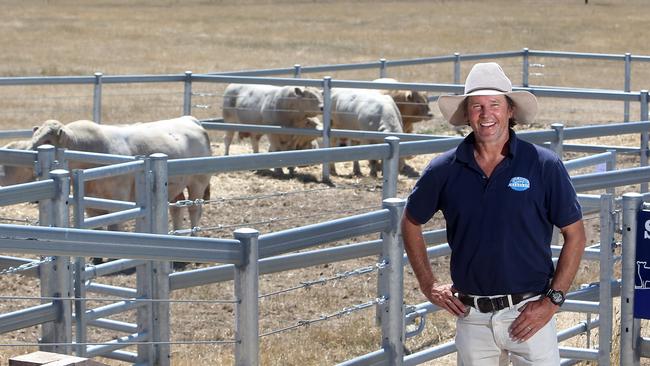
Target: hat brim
{"points": [[451, 106]]}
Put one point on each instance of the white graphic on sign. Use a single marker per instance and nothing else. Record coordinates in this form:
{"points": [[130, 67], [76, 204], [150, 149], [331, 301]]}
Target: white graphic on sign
{"points": [[644, 274]]}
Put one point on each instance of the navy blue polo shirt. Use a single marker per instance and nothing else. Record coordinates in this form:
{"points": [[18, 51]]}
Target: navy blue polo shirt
{"points": [[499, 228]]}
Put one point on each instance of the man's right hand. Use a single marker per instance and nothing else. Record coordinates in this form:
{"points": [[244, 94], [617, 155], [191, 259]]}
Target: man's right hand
{"points": [[443, 296]]}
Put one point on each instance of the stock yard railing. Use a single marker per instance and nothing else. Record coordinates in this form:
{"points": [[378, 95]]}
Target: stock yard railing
{"points": [[187, 78], [152, 338], [275, 248]]}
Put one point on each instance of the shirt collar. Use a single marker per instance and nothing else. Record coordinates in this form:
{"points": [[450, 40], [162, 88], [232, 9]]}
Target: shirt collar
{"points": [[465, 150]]}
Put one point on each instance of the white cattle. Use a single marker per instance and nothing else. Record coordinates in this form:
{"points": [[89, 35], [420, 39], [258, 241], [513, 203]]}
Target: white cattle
{"points": [[182, 137], [413, 105], [16, 174], [285, 106], [365, 110]]}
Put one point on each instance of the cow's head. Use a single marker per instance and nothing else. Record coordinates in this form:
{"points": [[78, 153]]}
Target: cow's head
{"points": [[309, 100], [51, 132]]}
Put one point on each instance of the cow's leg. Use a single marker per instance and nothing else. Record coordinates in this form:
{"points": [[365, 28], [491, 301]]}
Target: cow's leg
{"points": [[374, 167], [275, 144], [227, 141], [255, 142], [175, 212], [356, 168]]}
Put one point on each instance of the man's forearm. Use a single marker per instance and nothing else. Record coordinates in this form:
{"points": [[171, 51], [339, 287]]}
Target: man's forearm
{"points": [[570, 257], [416, 251]]}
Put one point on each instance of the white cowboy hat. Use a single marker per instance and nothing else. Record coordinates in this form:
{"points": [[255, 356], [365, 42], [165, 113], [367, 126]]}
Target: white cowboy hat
{"points": [[487, 79]]}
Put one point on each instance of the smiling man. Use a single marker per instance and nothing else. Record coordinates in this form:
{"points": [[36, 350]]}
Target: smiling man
{"points": [[501, 198]]}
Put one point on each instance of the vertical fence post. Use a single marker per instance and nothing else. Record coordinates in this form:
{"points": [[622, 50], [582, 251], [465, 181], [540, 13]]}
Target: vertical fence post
{"points": [[297, 71], [161, 269], [46, 217], [557, 145], [605, 308], [81, 323], [187, 94], [456, 68], [390, 168], [78, 194], [79, 280], [610, 166], [392, 326], [627, 86], [382, 68], [630, 327], [144, 191], [525, 67], [644, 136], [390, 172], [327, 121], [246, 293], [59, 283], [97, 98]]}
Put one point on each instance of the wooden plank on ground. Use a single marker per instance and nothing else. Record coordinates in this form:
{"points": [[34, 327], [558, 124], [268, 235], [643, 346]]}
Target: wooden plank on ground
{"points": [[41, 358]]}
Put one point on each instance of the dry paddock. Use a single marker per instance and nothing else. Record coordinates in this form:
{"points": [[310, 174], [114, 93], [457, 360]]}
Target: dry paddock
{"points": [[65, 37], [268, 202]]}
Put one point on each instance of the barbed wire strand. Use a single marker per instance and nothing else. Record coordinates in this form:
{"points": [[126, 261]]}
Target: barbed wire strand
{"points": [[109, 299], [322, 213], [324, 280], [198, 202], [26, 220], [126, 343], [338, 314]]}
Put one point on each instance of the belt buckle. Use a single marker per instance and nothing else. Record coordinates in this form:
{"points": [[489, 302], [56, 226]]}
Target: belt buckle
{"points": [[492, 304], [484, 304]]}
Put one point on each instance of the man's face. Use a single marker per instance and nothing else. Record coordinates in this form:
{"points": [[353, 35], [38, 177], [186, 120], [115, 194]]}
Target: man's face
{"points": [[488, 116]]}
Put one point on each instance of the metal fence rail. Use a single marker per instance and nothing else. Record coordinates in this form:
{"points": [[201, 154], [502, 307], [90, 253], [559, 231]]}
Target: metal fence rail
{"points": [[263, 77], [276, 248]]}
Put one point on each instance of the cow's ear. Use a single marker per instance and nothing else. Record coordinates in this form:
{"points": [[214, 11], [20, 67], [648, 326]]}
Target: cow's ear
{"points": [[299, 91], [409, 96], [35, 128], [63, 136]]}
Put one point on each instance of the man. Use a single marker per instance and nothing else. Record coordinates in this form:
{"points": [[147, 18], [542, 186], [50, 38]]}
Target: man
{"points": [[500, 197]]}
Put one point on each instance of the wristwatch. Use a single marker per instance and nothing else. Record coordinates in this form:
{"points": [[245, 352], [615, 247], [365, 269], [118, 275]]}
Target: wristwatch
{"points": [[556, 296]]}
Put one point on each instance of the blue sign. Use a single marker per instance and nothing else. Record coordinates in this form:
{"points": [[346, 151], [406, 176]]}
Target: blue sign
{"points": [[642, 270]]}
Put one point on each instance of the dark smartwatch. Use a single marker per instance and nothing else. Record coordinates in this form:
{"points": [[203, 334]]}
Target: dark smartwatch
{"points": [[556, 296]]}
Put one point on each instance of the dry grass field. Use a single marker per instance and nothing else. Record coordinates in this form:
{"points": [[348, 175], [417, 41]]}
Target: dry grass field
{"points": [[120, 37]]}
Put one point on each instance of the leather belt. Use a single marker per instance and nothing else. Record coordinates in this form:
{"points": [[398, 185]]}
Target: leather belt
{"points": [[489, 304]]}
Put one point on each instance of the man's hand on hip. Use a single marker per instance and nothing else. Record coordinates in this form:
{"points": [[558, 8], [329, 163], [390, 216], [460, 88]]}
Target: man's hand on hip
{"points": [[534, 315], [444, 297]]}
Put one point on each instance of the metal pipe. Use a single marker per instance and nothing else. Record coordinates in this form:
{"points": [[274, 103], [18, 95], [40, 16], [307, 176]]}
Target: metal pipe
{"points": [[246, 278], [627, 85], [630, 329], [29, 317], [116, 344], [97, 98], [311, 235], [187, 94], [114, 325], [327, 122]]}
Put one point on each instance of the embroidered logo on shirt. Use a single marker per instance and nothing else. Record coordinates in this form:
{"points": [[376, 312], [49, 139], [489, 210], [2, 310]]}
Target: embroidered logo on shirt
{"points": [[519, 184]]}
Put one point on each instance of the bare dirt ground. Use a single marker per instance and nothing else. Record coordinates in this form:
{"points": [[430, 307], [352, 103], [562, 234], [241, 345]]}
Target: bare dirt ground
{"points": [[269, 203]]}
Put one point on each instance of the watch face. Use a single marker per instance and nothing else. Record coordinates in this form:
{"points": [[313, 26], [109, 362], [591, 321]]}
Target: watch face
{"points": [[556, 297]]}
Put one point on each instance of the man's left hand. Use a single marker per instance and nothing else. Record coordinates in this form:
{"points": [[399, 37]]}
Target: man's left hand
{"points": [[534, 316]]}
